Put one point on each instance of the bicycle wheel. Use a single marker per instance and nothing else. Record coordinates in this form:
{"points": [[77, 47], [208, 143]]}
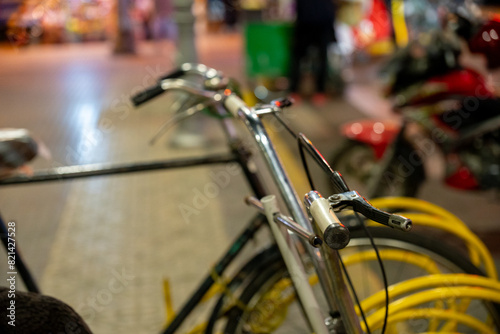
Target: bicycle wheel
{"points": [[270, 303], [356, 161]]}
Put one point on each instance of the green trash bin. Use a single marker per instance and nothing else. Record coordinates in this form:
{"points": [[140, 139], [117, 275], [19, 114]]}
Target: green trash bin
{"points": [[268, 48]]}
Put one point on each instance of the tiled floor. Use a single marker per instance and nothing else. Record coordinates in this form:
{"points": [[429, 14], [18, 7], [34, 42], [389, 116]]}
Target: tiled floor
{"points": [[82, 237]]}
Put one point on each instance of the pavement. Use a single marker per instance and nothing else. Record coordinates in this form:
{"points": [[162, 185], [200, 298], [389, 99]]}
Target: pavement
{"points": [[104, 245]]}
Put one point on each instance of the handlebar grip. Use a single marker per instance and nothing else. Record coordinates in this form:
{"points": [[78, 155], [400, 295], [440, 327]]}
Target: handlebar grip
{"points": [[335, 234], [156, 90], [146, 95], [174, 75], [380, 216]]}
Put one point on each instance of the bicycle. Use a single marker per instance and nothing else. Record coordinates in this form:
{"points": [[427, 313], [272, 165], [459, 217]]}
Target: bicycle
{"points": [[263, 268]]}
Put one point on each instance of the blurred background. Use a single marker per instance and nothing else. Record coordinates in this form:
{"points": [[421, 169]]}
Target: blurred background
{"points": [[68, 69]]}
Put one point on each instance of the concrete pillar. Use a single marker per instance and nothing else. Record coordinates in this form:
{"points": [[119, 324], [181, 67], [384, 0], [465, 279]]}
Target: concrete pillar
{"points": [[186, 48]]}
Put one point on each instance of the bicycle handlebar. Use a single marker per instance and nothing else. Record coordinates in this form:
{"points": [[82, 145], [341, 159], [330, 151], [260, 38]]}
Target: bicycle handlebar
{"points": [[215, 91], [214, 80], [147, 95], [335, 234]]}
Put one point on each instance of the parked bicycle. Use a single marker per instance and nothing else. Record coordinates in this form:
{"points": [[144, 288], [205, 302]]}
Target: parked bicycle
{"points": [[298, 284]]}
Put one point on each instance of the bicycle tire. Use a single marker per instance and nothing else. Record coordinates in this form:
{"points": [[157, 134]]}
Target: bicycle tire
{"points": [[355, 160], [255, 290]]}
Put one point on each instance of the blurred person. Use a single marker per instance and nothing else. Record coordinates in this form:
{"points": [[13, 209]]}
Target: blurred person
{"points": [[230, 13], [314, 27]]}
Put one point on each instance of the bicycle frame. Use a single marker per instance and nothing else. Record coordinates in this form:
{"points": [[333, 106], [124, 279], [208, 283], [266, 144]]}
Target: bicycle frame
{"points": [[325, 261]]}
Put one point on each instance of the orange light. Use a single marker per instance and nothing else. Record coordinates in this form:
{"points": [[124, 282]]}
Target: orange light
{"points": [[227, 92], [278, 104]]}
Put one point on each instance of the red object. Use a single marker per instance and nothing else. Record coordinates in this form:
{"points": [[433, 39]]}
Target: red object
{"points": [[377, 134], [461, 82], [462, 179], [465, 82], [487, 42], [376, 25]]}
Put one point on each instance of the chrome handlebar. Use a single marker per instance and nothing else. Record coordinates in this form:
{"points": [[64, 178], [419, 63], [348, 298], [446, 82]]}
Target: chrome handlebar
{"points": [[213, 80], [334, 233]]}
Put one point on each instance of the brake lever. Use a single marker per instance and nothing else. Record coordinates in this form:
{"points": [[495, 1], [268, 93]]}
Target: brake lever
{"points": [[359, 204], [178, 117], [275, 106], [283, 102]]}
